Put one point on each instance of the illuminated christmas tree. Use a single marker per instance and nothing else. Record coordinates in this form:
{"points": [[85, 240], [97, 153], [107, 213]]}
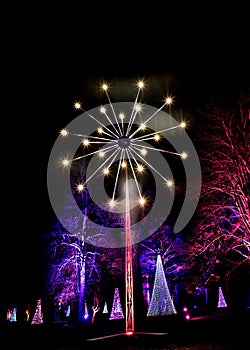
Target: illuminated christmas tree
{"points": [[161, 303], [9, 312], [27, 313], [105, 308], [116, 312], [86, 312], [38, 318], [68, 311], [13, 315], [221, 299]]}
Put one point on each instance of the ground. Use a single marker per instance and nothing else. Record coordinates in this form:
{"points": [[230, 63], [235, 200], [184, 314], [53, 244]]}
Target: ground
{"points": [[215, 331]]}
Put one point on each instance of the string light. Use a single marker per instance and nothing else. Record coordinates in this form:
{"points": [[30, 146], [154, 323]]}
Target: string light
{"points": [[161, 303]]}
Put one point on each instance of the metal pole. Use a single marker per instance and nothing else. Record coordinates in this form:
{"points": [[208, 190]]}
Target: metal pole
{"points": [[128, 266]]}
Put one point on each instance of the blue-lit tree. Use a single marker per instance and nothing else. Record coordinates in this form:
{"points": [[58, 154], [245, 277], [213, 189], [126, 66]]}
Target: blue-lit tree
{"points": [[13, 317]]}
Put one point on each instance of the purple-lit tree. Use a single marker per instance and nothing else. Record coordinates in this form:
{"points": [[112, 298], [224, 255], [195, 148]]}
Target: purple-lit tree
{"points": [[71, 260], [221, 299], [220, 239], [116, 311], [38, 316], [67, 270], [78, 269]]}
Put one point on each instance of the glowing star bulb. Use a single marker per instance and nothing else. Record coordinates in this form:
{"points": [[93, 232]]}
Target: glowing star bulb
{"points": [[157, 137], [140, 168], [170, 183], [142, 201], [106, 171], [64, 133], [65, 162], [100, 130], [101, 154], [143, 151], [105, 87], [138, 107], [103, 110], [182, 124], [112, 203], [140, 84], [77, 105], [123, 164], [142, 126], [80, 187], [184, 155], [121, 116], [169, 100], [85, 142]]}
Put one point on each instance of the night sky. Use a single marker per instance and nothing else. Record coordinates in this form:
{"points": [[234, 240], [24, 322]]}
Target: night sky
{"points": [[48, 64]]}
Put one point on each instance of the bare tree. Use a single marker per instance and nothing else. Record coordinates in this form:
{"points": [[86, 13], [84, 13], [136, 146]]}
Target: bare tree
{"points": [[77, 266], [72, 262], [220, 239]]}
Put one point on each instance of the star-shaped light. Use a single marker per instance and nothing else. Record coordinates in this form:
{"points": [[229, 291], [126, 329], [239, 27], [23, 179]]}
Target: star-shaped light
{"points": [[125, 142]]}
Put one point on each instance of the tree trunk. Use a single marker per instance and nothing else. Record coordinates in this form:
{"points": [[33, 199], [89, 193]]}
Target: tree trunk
{"points": [[81, 296]]}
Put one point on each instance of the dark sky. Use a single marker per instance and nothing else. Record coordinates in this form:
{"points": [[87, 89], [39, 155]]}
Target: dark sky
{"points": [[49, 62]]}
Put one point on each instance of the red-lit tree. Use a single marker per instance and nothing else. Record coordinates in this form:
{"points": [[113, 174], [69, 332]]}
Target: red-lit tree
{"points": [[220, 238]]}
